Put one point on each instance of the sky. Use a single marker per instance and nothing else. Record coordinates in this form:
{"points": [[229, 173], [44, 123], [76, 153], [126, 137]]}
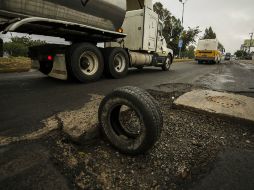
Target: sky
{"points": [[232, 20]]}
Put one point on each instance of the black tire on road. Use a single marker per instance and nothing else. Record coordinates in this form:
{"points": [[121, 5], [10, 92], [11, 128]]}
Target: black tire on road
{"points": [[116, 62], [84, 62], [158, 106], [147, 110], [167, 64], [200, 62], [46, 67]]}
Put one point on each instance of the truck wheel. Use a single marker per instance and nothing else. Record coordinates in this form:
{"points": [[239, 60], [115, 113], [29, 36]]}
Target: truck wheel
{"points": [[46, 67], [167, 64], [116, 62], [85, 62], [130, 120]]}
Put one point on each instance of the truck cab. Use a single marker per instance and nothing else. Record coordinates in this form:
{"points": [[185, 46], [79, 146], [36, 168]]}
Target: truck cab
{"points": [[145, 41]]}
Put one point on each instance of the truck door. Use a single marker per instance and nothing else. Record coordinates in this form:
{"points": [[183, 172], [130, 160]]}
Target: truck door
{"points": [[150, 31]]}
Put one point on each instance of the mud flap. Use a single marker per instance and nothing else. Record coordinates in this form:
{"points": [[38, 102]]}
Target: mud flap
{"points": [[59, 69]]}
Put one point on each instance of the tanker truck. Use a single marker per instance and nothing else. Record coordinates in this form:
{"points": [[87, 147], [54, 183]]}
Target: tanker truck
{"points": [[130, 31]]}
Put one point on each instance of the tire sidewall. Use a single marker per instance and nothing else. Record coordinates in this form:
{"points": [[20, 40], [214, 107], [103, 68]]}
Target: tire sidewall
{"points": [[110, 63], [167, 64], [150, 126], [75, 54]]}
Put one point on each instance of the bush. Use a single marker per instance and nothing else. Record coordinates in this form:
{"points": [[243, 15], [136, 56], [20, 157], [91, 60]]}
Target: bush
{"points": [[16, 49], [19, 46], [241, 54]]}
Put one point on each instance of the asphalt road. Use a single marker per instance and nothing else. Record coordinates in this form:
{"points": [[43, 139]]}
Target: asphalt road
{"points": [[28, 98]]}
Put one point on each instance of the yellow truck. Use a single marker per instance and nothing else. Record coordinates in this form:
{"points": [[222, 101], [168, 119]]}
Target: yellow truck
{"points": [[208, 51]]}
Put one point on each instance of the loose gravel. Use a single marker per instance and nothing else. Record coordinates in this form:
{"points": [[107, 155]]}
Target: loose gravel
{"points": [[185, 153]]}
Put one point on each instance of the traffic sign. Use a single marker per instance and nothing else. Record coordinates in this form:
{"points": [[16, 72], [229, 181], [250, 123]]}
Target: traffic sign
{"points": [[180, 43]]}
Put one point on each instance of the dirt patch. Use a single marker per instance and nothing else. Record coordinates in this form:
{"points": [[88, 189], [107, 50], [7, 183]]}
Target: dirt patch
{"points": [[185, 153]]}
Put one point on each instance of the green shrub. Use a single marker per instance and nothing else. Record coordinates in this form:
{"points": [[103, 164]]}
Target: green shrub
{"points": [[18, 46]]}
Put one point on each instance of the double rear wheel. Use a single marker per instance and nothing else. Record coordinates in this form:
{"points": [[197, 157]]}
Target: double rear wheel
{"points": [[85, 62]]}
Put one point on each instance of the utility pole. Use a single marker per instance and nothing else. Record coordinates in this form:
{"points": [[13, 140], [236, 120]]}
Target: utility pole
{"points": [[251, 37], [180, 39]]}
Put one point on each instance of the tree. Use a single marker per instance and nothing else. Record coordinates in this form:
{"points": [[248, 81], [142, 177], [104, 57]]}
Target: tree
{"points": [[241, 53], [189, 36], [18, 46], [221, 47], [173, 29], [190, 52], [209, 33]]}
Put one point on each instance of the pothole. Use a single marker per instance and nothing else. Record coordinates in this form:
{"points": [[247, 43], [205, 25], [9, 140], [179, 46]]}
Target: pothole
{"points": [[80, 125]]}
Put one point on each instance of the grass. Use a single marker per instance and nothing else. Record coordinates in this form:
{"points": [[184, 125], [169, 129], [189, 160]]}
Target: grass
{"points": [[182, 60], [15, 64]]}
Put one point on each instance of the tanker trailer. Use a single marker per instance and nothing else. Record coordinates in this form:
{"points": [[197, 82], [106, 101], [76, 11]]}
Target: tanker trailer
{"points": [[71, 20], [85, 23]]}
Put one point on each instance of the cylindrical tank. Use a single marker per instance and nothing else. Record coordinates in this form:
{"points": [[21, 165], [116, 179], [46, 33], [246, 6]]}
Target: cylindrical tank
{"points": [[104, 14], [137, 58]]}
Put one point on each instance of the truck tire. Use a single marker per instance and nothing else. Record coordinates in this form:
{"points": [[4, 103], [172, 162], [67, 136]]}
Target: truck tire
{"points": [[116, 62], [85, 62], [148, 112], [167, 64], [45, 67]]}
